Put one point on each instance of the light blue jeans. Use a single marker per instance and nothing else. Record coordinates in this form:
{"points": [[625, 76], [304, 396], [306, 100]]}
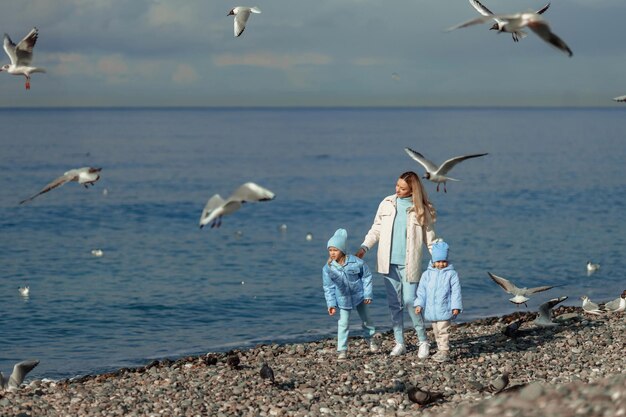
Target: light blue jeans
{"points": [[343, 326], [400, 294]]}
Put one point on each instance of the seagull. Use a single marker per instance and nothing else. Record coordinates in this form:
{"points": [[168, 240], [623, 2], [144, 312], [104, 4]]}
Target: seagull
{"points": [[512, 330], [499, 383], [617, 305], [591, 267], [21, 56], [242, 14], [24, 291], [515, 22], [436, 173], [422, 397], [17, 376], [85, 176], [267, 373], [620, 98], [500, 24], [590, 307], [217, 207], [97, 252], [544, 318], [210, 360], [519, 293]]}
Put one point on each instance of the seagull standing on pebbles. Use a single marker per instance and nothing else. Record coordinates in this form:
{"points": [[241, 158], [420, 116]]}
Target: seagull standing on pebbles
{"points": [[519, 293], [422, 397], [617, 305], [17, 376], [85, 176], [21, 56], [242, 14], [590, 307], [500, 24], [544, 318], [437, 174], [516, 22], [499, 383], [217, 207]]}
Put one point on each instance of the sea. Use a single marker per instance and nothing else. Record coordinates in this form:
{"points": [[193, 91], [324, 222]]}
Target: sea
{"points": [[549, 196]]}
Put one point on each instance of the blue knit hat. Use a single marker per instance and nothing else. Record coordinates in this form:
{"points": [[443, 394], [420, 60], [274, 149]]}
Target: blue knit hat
{"points": [[440, 251], [338, 240]]}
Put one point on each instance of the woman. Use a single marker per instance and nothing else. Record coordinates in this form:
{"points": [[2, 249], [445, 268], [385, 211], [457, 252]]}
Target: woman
{"points": [[402, 225]]}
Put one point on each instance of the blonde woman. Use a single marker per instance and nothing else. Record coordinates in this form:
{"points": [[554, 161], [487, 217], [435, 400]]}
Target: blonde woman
{"points": [[402, 226]]}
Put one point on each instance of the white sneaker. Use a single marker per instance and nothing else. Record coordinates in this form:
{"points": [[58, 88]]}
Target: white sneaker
{"points": [[422, 353], [343, 355], [398, 350]]}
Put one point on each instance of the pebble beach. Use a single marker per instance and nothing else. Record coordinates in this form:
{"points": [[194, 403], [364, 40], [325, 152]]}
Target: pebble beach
{"points": [[576, 368]]}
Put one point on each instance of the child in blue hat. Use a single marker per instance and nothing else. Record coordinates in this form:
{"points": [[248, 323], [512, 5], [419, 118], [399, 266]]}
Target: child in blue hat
{"points": [[347, 283], [439, 297]]}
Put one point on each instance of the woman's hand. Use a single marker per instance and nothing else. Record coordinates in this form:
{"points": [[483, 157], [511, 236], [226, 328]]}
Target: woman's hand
{"points": [[360, 253], [331, 311], [367, 301]]}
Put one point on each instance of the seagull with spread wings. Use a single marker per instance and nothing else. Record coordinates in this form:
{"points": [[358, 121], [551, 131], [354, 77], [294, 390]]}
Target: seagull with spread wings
{"points": [[217, 207], [515, 22], [438, 174], [21, 56], [500, 24], [85, 176], [17, 376], [520, 294], [242, 13]]}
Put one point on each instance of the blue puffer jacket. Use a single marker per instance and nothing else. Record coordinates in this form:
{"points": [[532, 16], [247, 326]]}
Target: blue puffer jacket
{"points": [[438, 293], [347, 286]]}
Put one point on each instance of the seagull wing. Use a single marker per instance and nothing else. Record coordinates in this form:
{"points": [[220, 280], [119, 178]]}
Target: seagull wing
{"points": [[19, 373], [620, 98], [480, 8], [543, 9], [545, 308], [9, 48], [450, 163], [240, 21], [24, 49], [542, 30], [428, 165], [476, 21], [528, 291], [212, 209], [67, 177], [612, 305], [251, 192], [504, 283]]}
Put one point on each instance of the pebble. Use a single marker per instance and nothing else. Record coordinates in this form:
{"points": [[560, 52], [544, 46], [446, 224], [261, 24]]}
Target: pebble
{"points": [[577, 369]]}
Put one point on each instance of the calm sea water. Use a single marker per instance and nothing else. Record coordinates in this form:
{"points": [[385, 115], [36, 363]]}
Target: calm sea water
{"points": [[549, 196]]}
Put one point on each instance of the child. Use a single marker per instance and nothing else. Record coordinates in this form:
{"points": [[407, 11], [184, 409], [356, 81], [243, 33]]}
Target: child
{"points": [[347, 285], [439, 297]]}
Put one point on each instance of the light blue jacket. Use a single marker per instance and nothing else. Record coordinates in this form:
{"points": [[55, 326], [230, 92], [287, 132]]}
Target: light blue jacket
{"points": [[438, 293], [347, 286]]}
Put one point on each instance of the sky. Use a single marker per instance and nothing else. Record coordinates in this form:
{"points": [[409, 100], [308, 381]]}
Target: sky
{"points": [[317, 53]]}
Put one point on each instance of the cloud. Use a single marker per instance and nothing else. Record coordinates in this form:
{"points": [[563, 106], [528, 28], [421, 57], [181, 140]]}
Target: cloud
{"points": [[160, 14], [271, 60], [184, 74]]}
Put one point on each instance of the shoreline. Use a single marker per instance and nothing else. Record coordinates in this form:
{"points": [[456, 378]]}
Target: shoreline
{"points": [[565, 366]]}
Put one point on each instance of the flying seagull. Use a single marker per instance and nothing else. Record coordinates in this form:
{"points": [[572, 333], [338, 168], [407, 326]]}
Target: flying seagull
{"points": [[544, 318], [242, 14], [620, 98], [500, 24], [590, 307], [17, 376], [617, 305], [21, 56], [519, 293], [85, 176], [436, 173], [516, 22], [217, 207]]}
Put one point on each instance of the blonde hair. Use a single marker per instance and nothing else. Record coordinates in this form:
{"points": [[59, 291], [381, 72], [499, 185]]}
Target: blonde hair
{"points": [[424, 210]]}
